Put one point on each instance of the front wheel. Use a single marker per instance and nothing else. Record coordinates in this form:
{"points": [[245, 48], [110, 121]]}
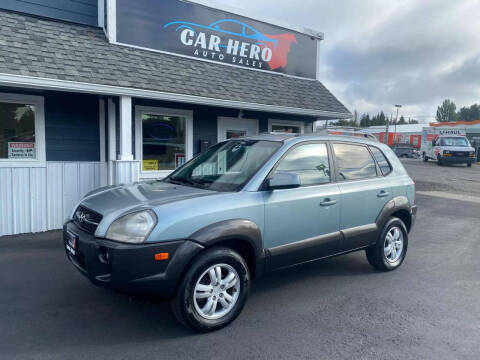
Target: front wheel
{"points": [[391, 247], [214, 290], [469, 164], [425, 158], [439, 161]]}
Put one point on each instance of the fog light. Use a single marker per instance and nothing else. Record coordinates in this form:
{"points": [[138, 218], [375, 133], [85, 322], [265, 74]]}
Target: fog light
{"points": [[103, 255]]}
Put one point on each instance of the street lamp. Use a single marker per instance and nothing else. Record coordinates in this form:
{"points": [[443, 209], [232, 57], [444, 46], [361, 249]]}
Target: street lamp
{"points": [[398, 107]]}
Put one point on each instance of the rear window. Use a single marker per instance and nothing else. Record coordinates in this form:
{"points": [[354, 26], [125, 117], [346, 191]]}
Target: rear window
{"points": [[354, 162], [382, 161]]}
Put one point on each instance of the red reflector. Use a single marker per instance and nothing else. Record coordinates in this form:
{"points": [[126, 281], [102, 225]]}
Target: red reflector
{"points": [[161, 256]]}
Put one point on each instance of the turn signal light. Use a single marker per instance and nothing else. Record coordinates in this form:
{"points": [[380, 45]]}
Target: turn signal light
{"points": [[161, 256]]}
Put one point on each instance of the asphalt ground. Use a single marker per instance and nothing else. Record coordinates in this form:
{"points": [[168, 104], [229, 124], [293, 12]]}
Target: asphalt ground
{"points": [[335, 309]]}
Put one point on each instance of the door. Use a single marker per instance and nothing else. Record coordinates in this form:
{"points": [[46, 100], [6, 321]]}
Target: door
{"points": [[302, 224], [364, 193], [231, 128]]}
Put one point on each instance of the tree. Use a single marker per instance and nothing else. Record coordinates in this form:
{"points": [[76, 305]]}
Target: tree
{"points": [[447, 111], [401, 121], [471, 113], [365, 120], [412, 121]]}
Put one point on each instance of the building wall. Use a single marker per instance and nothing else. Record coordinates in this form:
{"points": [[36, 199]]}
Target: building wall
{"points": [[40, 199], [71, 127], [78, 11]]}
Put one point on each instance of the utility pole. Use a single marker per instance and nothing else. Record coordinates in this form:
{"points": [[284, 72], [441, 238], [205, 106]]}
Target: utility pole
{"points": [[386, 130], [396, 121]]}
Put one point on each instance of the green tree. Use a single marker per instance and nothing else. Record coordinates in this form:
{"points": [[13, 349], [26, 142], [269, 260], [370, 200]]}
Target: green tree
{"points": [[402, 121], [471, 113], [412, 121], [365, 120], [447, 111]]}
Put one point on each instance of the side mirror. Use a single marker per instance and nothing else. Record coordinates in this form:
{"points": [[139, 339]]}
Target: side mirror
{"points": [[283, 180]]}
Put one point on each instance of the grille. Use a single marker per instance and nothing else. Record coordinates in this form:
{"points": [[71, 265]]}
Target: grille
{"points": [[86, 219], [460, 153]]}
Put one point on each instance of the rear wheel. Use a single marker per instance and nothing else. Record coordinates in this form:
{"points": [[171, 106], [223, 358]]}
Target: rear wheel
{"points": [[425, 158], [213, 291], [469, 164], [391, 247]]}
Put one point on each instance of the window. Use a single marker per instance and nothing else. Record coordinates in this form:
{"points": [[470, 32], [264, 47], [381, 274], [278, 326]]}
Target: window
{"points": [[226, 166], [163, 139], [286, 129], [309, 161], [22, 134], [354, 162], [382, 161], [285, 126], [453, 141]]}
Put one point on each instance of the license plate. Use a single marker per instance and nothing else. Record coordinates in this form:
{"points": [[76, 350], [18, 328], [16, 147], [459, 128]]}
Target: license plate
{"points": [[71, 244]]}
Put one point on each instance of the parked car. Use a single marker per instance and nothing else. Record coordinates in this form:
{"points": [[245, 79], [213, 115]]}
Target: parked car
{"points": [[405, 151], [242, 208]]}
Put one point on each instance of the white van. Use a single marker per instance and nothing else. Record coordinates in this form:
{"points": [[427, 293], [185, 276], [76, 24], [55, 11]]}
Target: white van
{"points": [[452, 149]]}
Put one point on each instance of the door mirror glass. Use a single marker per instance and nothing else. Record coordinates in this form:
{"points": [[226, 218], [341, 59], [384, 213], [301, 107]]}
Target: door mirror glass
{"points": [[284, 180]]}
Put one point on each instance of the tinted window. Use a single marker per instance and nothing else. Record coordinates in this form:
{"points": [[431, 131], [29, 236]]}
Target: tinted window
{"points": [[17, 131], [354, 162], [310, 162], [381, 160]]}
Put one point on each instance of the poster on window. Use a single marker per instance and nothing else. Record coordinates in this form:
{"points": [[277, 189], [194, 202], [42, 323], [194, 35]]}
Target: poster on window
{"points": [[179, 160], [21, 150]]}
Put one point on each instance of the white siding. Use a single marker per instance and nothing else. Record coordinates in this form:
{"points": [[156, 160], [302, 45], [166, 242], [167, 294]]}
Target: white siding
{"points": [[40, 199]]}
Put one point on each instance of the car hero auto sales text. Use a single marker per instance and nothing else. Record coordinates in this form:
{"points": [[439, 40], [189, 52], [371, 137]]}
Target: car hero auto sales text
{"points": [[242, 53]]}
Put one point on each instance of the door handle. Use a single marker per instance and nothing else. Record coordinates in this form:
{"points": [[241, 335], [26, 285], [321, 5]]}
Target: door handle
{"points": [[383, 194], [328, 202]]}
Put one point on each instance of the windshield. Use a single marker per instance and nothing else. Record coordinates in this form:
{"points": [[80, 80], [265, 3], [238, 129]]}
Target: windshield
{"points": [[453, 141], [226, 166]]}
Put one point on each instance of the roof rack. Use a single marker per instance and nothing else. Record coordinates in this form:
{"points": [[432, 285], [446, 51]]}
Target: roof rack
{"points": [[346, 131]]}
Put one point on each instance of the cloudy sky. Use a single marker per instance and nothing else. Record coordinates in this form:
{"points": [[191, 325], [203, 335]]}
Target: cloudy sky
{"points": [[378, 53]]}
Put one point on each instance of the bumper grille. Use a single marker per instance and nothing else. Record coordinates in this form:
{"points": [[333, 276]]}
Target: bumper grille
{"points": [[86, 219]]}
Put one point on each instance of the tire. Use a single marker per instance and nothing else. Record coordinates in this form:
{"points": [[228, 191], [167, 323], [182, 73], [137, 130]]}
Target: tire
{"points": [[439, 161], [190, 310], [377, 254], [425, 158], [469, 164]]}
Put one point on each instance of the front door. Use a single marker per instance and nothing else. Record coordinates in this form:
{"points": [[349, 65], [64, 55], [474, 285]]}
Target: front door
{"points": [[364, 193], [232, 128], [302, 224]]}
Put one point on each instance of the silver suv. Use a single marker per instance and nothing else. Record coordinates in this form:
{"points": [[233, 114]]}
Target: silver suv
{"points": [[242, 208]]}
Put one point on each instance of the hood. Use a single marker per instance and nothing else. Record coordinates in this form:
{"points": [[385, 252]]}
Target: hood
{"points": [[115, 200]]}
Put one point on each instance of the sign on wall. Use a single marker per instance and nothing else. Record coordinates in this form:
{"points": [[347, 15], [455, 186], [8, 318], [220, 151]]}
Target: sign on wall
{"points": [[198, 31], [21, 150]]}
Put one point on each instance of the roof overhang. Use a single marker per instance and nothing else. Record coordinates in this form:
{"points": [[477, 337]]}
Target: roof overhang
{"points": [[11, 80]]}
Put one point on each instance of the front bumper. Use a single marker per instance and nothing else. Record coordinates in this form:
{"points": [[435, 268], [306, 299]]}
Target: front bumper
{"points": [[128, 267], [457, 159]]}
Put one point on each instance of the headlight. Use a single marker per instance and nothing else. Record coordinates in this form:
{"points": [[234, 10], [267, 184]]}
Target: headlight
{"points": [[132, 228]]}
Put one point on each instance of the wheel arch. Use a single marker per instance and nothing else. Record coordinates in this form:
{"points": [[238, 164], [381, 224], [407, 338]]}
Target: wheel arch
{"points": [[398, 207], [240, 235]]}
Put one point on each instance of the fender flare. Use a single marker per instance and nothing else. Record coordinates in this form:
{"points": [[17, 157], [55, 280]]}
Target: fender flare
{"points": [[392, 206], [234, 229]]}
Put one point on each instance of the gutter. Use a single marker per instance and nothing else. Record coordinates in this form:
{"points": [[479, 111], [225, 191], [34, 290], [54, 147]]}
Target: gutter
{"points": [[109, 90]]}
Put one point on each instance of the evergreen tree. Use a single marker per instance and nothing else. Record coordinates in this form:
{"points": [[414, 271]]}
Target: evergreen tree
{"points": [[447, 111]]}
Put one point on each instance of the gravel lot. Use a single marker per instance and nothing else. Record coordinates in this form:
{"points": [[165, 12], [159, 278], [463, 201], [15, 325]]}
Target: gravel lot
{"points": [[339, 308]]}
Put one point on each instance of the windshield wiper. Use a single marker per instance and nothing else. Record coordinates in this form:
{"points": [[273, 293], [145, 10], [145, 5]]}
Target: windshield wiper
{"points": [[185, 180]]}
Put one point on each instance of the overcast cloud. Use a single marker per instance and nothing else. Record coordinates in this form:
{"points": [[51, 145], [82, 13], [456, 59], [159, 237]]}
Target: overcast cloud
{"points": [[378, 53]]}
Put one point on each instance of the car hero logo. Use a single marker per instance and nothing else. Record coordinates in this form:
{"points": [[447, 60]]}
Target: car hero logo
{"points": [[220, 41]]}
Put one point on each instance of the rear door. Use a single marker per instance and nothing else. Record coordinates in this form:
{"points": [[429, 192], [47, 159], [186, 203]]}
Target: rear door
{"points": [[364, 193], [302, 224]]}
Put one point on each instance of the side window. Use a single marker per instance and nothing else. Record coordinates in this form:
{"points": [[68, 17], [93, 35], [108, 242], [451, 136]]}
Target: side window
{"points": [[381, 160], [310, 162], [354, 162]]}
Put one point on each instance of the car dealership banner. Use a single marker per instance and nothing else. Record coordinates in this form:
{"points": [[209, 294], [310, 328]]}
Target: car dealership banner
{"points": [[198, 31]]}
